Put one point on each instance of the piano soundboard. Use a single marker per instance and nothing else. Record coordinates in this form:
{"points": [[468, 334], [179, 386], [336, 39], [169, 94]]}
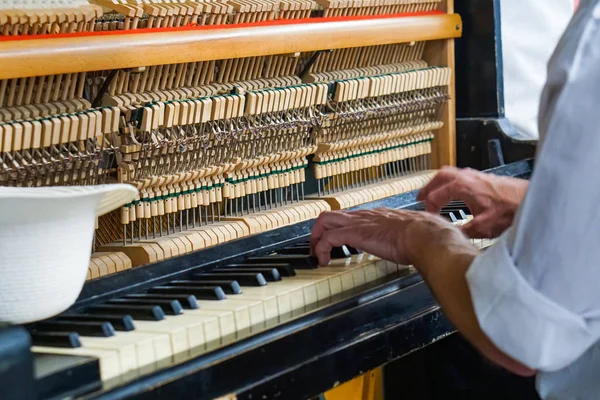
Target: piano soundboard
{"points": [[239, 122]]}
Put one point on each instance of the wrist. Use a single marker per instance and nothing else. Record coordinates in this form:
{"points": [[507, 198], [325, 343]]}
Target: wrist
{"points": [[436, 245], [448, 259], [440, 257]]}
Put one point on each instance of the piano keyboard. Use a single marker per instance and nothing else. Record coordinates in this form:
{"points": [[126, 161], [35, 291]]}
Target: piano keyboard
{"points": [[139, 333]]}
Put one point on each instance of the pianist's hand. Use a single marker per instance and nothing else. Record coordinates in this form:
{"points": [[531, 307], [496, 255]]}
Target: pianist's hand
{"points": [[492, 199], [439, 251], [405, 237]]}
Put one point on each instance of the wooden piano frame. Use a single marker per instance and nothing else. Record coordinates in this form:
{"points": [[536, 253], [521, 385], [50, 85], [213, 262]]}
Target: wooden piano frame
{"points": [[362, 332], [95, 51]]}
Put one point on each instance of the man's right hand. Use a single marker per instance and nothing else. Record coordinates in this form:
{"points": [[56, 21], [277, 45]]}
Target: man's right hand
{"points": [[492, 199]]}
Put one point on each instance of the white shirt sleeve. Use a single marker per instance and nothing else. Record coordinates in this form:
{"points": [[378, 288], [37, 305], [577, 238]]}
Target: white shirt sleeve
{"points": [[536, 292]]}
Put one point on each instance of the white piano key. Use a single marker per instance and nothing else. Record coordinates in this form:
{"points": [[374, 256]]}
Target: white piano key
{"points": [[109, 361], [226, 323], [177, 331], [157, 344]]}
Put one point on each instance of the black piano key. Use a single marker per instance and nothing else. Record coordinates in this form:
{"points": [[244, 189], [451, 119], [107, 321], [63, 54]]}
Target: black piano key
{"points": [[83, 328], [56, 339], [270, 274], [283, 269], [340, 252], [449, 215], [228, 286], [139, 312], [119, 322], [296, 261], [187, 301], [201, 292], [170, 307], [456, 204], [301, 249], [455, 207], [353, 251], [243, 278]]}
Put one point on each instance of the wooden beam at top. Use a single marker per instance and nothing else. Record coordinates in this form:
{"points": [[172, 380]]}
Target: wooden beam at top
{"points": [[24, 57]]}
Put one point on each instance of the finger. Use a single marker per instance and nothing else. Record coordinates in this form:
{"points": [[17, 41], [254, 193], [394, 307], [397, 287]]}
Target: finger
{"points": [[325, 221], [480, 227], [441, 196], [445, 175], [348, 235], [472, 229]]}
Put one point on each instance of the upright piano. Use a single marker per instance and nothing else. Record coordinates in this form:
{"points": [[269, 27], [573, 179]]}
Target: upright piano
{"points": [[240, 122]]}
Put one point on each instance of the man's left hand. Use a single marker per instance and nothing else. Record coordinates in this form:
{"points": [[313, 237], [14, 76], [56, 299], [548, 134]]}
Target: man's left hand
{"points": [[405, 237], [437, 249]]}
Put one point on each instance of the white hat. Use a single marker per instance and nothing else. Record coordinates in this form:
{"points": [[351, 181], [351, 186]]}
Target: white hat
{"points": [[46, 239]]}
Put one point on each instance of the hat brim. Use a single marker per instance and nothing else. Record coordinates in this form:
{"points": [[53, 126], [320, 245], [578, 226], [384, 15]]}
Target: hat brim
{"points": [[112, 196]]}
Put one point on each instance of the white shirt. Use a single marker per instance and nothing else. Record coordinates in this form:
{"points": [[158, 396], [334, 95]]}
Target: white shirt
{"points": [[530, 31], [536, 292]]}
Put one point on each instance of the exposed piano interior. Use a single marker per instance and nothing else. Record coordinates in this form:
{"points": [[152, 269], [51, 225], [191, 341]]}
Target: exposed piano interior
{"points": [[204, 286]]}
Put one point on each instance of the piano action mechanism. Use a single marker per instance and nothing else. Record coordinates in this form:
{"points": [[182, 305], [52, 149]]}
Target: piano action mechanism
{"points": [[239, 122]]}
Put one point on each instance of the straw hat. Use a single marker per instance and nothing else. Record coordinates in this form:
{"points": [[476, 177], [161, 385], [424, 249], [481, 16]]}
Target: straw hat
{"points": [[46, 239]]}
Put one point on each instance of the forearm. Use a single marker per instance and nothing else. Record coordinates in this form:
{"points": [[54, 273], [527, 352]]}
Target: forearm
{"points": [[445, 274]]}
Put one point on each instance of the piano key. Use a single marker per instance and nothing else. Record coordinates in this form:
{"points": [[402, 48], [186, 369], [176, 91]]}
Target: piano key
{"points": [[218, 328], [188, 302], [297, 299], [283, 298], [178, 333], [170, 307], [296, 261], [83, 328], [270, 274], [139, 312], [202, 331], [353, 251], [221, 322], [342, 275], [304, 286], [449, 215], [139, 352], [243, 278], [462, 214], [283, 269], [336, 252], [56, 339], [246, 312], [454, 206], [110, 365], [225, 323], [340, 252], [299, 293], [201, 292], [119, 322], [228, 286]]}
